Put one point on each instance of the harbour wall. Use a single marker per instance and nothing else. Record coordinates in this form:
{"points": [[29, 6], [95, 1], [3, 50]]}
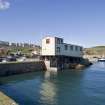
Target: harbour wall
{"points": [[12, 68], [21, 67]]}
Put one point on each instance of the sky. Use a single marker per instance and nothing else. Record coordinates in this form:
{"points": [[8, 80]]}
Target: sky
{"points": [[79, 22]]}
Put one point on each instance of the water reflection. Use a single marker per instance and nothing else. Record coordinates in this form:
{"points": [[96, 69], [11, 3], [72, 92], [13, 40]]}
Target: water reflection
{"points": [[98, 66], [102, 64], [49, 74], [48, 92]]}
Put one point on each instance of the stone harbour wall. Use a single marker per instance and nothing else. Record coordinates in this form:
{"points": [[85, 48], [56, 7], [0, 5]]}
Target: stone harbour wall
{"points": [[21, 67]]}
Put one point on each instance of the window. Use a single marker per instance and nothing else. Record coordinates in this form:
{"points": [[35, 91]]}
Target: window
{"points": [[71, 47], [66, 47], [80, 48], [58, 49], [76, 48], [47, 41], [59, 41]]}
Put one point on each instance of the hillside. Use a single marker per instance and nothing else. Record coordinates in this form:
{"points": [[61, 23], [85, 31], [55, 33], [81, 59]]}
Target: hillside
{"points": [[4, 51], [97, 50]]}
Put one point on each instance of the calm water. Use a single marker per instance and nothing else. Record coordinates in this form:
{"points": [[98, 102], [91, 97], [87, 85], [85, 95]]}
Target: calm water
{"points": [[85, 87]]}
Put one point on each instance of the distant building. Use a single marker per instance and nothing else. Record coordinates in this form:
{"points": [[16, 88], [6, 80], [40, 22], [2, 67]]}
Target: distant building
{"points": [[31, 45], [26, 45], [13, 44], [4, 44]]}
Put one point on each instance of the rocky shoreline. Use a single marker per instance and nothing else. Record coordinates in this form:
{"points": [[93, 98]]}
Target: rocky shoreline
{"points": [[5, 100], [77, 66]]}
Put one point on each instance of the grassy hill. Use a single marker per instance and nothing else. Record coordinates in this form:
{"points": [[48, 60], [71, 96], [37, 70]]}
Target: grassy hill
{"points": [[97, 50], [24, 50]]}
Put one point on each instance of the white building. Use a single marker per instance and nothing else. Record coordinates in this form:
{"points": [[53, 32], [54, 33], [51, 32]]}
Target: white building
{"points": [[59, 55], [52, 46]]}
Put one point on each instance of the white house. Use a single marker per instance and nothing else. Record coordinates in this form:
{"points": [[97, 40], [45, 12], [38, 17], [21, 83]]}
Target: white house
{"points": [[52, 46]]}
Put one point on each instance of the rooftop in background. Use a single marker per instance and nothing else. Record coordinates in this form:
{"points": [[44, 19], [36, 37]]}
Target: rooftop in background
{"points": [[7, 44]]}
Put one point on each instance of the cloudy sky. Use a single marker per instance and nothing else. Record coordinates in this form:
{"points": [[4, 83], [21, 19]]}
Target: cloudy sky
{"points": [[77, 21], [4, 4]]}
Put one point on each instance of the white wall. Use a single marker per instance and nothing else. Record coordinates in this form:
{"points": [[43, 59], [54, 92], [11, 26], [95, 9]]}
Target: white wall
{"points": [[48, 49]]}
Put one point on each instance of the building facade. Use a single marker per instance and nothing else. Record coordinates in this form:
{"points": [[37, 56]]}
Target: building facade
{"points": [[52, 46], [59, 53]]}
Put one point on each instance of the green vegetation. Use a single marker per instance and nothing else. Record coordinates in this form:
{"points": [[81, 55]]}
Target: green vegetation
{"points": [[22, 49], [97, 50], [12, 50]]}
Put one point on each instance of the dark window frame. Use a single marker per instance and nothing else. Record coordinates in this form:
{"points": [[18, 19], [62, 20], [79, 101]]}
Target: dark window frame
{"points": [[76, 48], [71, 47], [47, 41], [59, 40], [66, 47], [81, 49], [58, 49]]}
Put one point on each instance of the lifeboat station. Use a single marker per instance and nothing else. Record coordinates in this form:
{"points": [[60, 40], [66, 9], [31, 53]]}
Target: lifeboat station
{"points": [[58, 55]]}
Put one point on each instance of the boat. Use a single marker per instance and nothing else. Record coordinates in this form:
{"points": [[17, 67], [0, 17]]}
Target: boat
{"points": [[101, 59], [21, 59]]}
